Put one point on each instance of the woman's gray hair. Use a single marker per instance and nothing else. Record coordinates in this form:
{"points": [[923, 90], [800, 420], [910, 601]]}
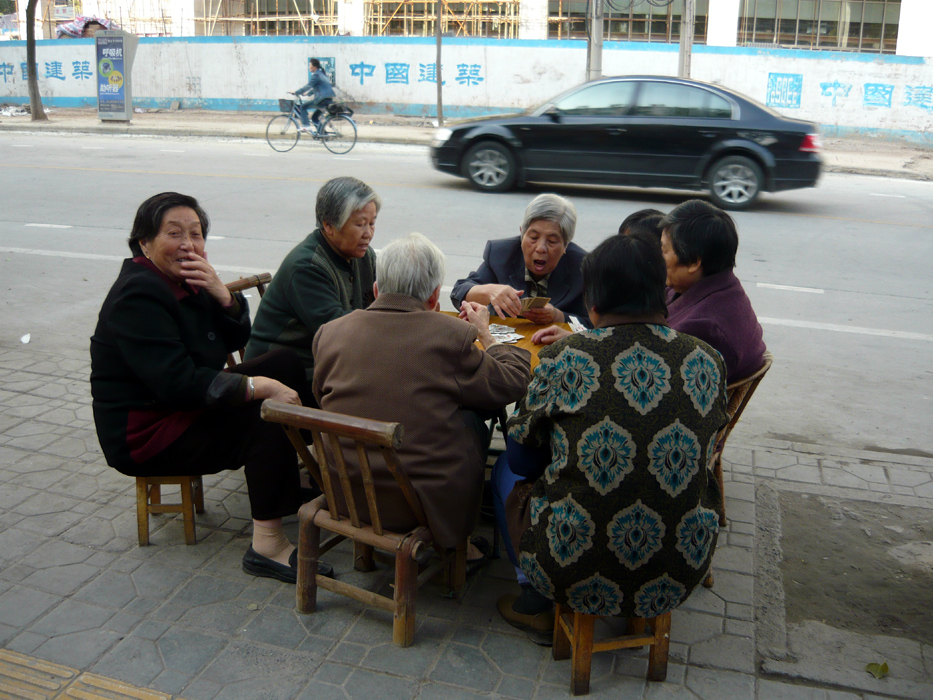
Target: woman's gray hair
{"points": [[339, 198], [410, 265], [552, 207]]}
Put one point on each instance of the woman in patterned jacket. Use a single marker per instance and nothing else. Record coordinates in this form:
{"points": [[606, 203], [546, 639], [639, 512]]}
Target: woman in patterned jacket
{"points": [[616, 431]]}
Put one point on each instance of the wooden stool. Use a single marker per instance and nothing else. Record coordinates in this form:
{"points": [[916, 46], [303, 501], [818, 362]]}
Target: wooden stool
{"points": [[573, 637], [149, 500]]}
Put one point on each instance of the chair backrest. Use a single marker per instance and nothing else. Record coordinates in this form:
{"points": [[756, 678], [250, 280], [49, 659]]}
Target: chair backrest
{"points": [[739, 393], [365, 436], [259, 282]]}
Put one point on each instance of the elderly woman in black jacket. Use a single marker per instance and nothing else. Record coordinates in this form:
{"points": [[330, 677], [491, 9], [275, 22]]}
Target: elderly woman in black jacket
{"points": [[163, 404]]}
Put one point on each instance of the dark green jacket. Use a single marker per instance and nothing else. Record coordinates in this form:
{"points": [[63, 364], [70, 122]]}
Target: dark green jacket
{"points": [[314, 285]]}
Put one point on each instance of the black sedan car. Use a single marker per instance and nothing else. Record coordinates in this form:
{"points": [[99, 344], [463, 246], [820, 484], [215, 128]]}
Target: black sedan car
{"points": [[642, 131]]}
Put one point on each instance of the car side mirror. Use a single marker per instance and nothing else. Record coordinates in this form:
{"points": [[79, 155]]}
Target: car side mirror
{"points": [[554, 114]]}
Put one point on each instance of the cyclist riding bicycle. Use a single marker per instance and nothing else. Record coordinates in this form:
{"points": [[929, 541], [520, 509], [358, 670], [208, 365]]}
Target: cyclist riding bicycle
{"points": [[323, 96]]}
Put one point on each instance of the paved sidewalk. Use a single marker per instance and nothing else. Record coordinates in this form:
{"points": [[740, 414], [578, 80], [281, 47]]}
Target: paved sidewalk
{"points": [[82, 607], [849, 155]]}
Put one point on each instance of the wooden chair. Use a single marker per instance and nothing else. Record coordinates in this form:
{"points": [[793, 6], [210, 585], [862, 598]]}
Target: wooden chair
{"points": [[573, 638], [149, 488], [407, 548], [738, 394]]}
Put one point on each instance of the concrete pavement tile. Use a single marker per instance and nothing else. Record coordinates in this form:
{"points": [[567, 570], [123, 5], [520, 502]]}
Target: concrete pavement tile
{"points": [[734, 454], [16, 543], [842, 695], [366, 685], [79, 649], [799, 472], [670, 691], [704, 600], [72, 616], [26, 642], [123, 622], [772, 459], [61, 416], [12, 495], [741, 511], [54, 553], [24, 386], [692, 627], [468, 635], [432, 628], [35, 462], [318, 647], [9, 519], [739, 611], [835, 475], [908, 477], [133, 660], [513, 659], [372, 626], [72, 447], [512, 687], [333, 673], [99, 533], [715, 684], [241, 660], [734, 587], [466, 666], [202, 689], [349, 653], [774, 690], [734, 559], [20, 605], [414, 662], [171, 682], [866, 472], [743, 478], [334, 615], [761, 473], [8, 422], [157, 581], [17, 573], [270, 688], [63, 580], [924, 490], [142, 606], [322, 691], [736, 491], [44, 503], [188, 651], [7, 632], [726, 651], [151, 630], [227, 617], [742, 628], [275, 626]]}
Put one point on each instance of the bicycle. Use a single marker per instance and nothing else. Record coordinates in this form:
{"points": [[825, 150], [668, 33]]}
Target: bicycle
{"points": [[337, 130]]}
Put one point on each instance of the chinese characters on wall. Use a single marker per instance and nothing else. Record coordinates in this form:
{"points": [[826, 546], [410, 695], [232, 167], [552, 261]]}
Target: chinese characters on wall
{"points": [[784, 90]]}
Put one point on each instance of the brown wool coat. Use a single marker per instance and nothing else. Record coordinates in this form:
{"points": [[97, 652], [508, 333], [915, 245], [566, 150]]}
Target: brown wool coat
{"points": [[395, 361]]}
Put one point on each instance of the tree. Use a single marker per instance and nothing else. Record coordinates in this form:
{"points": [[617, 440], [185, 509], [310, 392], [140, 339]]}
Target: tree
{"points": [[32, 78]]}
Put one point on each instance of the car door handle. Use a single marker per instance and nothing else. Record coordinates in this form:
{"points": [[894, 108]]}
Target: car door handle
{"points": [[615, 131], [709, 134]]}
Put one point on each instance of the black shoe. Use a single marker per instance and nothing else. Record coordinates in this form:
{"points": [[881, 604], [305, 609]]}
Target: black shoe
{"points": [[530, 612], [474, 565], [258, 565]]}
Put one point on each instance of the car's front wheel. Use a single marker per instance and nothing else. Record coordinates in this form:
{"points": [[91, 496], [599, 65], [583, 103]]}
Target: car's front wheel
{"points": [[490, 166], [734, 182]]}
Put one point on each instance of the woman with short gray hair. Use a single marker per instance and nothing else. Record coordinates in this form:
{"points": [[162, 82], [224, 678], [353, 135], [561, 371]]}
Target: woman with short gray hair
{"points": [[329, 274], [541, 262]]}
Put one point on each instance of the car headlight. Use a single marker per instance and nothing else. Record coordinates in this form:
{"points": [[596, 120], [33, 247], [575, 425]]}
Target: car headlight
{"points": [[442, 136]]}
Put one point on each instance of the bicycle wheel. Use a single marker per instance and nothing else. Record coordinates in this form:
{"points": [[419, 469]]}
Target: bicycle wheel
{"points": [[339, 134], [282, 133]]}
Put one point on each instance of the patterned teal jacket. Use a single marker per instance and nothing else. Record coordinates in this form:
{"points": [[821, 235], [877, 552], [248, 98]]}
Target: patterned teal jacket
{"points": [[624, 518]]}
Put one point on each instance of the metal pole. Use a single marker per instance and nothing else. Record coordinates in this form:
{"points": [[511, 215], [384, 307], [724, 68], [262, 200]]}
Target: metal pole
{"points": [[437, 65], [594, 44], [686, 39]]}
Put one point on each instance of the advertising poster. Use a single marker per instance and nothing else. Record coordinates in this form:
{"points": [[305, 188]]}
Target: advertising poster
{"points": [[111, 87]]}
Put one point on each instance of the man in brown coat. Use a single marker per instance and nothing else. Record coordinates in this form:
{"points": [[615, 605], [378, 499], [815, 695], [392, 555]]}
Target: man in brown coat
{"points": [[400, 361]]}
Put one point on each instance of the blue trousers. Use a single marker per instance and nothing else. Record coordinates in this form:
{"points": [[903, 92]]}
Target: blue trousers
{"points": [[501, 483]]}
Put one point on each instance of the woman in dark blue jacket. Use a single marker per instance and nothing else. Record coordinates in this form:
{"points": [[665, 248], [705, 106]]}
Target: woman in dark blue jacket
{"points": [[323, 95]]}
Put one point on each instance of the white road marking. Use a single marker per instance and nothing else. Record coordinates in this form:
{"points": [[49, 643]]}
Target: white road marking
{"points": [[788, 288], [49, 225], [20, 145], [844, 329], [119, 258], [93, 148], [338, 158], [898, 196], [168, 150]]}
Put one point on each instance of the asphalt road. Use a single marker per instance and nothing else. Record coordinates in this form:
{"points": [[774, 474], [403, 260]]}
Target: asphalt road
{"points": [[838, 274]]}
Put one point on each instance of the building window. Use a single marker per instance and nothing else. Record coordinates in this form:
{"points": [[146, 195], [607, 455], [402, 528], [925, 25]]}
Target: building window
{"points": [[838, 25], [627, 20]]}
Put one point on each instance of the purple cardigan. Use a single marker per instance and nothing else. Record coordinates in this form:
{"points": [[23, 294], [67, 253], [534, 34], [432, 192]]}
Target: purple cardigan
{"points": [[717, 310]]}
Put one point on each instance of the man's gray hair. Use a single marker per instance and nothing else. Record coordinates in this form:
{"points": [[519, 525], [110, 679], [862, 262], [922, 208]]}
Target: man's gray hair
{"points": [[410, 265], [552, 207], [339, 198]]}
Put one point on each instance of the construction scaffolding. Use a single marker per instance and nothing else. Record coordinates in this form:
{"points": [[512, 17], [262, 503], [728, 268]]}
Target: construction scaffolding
{"points": [[474, 18], [266, 17]]}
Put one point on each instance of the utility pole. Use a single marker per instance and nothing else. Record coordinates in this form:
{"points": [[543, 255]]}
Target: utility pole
{"points": [[686, 39], [594, 44], [439, 5]]}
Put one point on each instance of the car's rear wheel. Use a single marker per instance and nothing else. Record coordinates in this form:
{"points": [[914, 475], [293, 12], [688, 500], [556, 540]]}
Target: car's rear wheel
{"points": [[490, 166], [734, 182]]}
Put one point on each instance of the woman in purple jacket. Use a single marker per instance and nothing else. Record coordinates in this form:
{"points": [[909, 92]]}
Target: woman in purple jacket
{"points": [[704, 297]]}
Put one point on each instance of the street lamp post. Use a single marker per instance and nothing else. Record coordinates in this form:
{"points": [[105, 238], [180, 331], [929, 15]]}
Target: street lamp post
{"points": [[594, 45], [686, 39]]}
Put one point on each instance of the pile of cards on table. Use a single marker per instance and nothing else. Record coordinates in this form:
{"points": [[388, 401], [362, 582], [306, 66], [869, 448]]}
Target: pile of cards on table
{"points": [[503, 334]]}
